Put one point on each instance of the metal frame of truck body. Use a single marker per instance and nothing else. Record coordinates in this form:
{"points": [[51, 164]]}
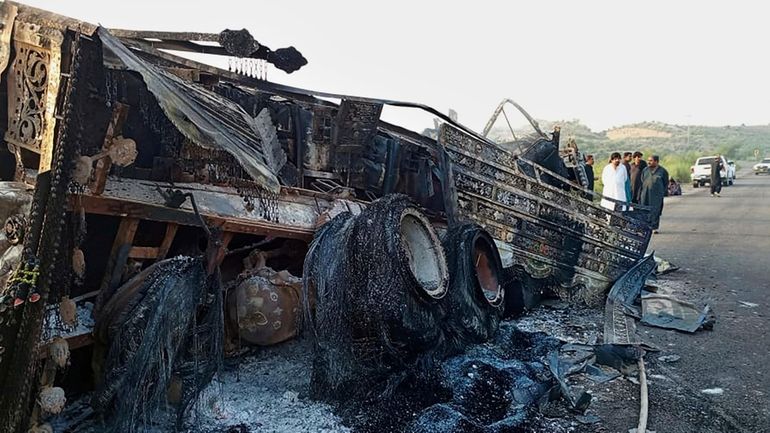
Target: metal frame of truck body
{"points": [[552, 233]]}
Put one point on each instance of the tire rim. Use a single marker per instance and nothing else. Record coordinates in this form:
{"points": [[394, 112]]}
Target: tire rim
{"points": [[424, 255], [487, 270]]}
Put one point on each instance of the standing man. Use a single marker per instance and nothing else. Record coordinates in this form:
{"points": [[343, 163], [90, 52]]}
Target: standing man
{"points": [[716, 175], [637, 167], [654, 188], [614, 178], [590, 176], [627, 165]]}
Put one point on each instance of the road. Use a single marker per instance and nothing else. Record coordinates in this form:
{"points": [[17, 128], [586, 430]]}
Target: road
{"points": [[722, 245]]}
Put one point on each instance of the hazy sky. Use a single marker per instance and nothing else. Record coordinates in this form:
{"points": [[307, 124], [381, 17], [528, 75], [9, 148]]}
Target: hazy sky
{"points": [[606, 63]]}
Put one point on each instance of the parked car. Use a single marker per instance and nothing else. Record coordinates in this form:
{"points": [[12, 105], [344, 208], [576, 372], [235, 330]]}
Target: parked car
{"points": [[700, 173], [763, 167]]}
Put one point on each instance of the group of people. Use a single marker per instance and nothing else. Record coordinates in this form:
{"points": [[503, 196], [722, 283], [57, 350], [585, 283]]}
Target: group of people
{"points": [[629, 180]]}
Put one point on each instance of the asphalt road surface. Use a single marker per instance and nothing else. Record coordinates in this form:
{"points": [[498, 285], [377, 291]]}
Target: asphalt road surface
{"points": [[722, 245]]}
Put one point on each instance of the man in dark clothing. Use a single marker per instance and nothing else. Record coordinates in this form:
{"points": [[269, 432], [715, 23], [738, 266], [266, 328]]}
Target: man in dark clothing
{"points": [[654, 188], [590, 175], [637, 167], [716, 175]]}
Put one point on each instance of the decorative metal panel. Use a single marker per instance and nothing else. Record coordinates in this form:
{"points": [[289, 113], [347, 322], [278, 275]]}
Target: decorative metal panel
{"points": [[553, 233], [33, 86]]}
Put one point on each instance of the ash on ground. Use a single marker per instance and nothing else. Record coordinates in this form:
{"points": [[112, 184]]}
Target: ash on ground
{"points": [[566, 323], [265, 392]]}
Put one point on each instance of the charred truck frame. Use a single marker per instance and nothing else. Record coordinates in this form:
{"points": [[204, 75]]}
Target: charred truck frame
{"points": [[123, 155]]}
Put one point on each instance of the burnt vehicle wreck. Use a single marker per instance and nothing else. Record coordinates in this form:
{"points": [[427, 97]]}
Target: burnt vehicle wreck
{"points": [[160, 212]]}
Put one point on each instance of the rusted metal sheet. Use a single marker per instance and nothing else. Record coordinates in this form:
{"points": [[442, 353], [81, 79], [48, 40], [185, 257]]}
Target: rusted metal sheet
{"points": [[33, 86], [356, 127], [552, 233]]}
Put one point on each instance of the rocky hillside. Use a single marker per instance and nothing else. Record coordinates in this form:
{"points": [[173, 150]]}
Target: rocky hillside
{"points": [[737, 142]]}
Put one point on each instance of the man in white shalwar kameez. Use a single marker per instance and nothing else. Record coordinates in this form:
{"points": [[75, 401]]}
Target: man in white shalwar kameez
{"points": [[614, 178]]}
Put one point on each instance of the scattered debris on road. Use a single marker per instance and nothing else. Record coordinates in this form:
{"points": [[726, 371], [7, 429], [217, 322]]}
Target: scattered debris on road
{"points": [[666, 311], [669, 358], [664, 266]]}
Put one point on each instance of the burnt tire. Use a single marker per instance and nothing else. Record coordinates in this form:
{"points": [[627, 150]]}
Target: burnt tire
{"points": [[474, 303], [376, 279]]}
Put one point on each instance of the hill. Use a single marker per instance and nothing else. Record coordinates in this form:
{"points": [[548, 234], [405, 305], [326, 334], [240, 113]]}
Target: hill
{"points": [[737, 142], [677, 146]]}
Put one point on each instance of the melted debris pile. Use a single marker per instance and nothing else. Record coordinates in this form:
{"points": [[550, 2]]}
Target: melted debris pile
{"points": [[493, 387]]}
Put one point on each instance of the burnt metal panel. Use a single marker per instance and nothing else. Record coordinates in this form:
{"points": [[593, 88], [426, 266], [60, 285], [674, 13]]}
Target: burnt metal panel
{"points": [[356, 126], [317, 156], [274, 155], [205, 118], [619, 327], [553, 233]]}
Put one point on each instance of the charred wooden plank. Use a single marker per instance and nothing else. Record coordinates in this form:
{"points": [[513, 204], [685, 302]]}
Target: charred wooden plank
{"points": [[169, 36], [43, 18], [220, 252], [144, 253], [168, 239], [117, 207], [123, 239]]}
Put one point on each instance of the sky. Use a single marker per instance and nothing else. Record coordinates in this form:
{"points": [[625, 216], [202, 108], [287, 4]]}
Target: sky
{"points": [[606, 63]]}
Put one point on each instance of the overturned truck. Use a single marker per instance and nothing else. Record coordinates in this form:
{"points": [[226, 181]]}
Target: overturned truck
{"points": [[149, 198]]}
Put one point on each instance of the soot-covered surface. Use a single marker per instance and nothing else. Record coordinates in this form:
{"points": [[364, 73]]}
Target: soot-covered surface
{"points": [[492, 387]]}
